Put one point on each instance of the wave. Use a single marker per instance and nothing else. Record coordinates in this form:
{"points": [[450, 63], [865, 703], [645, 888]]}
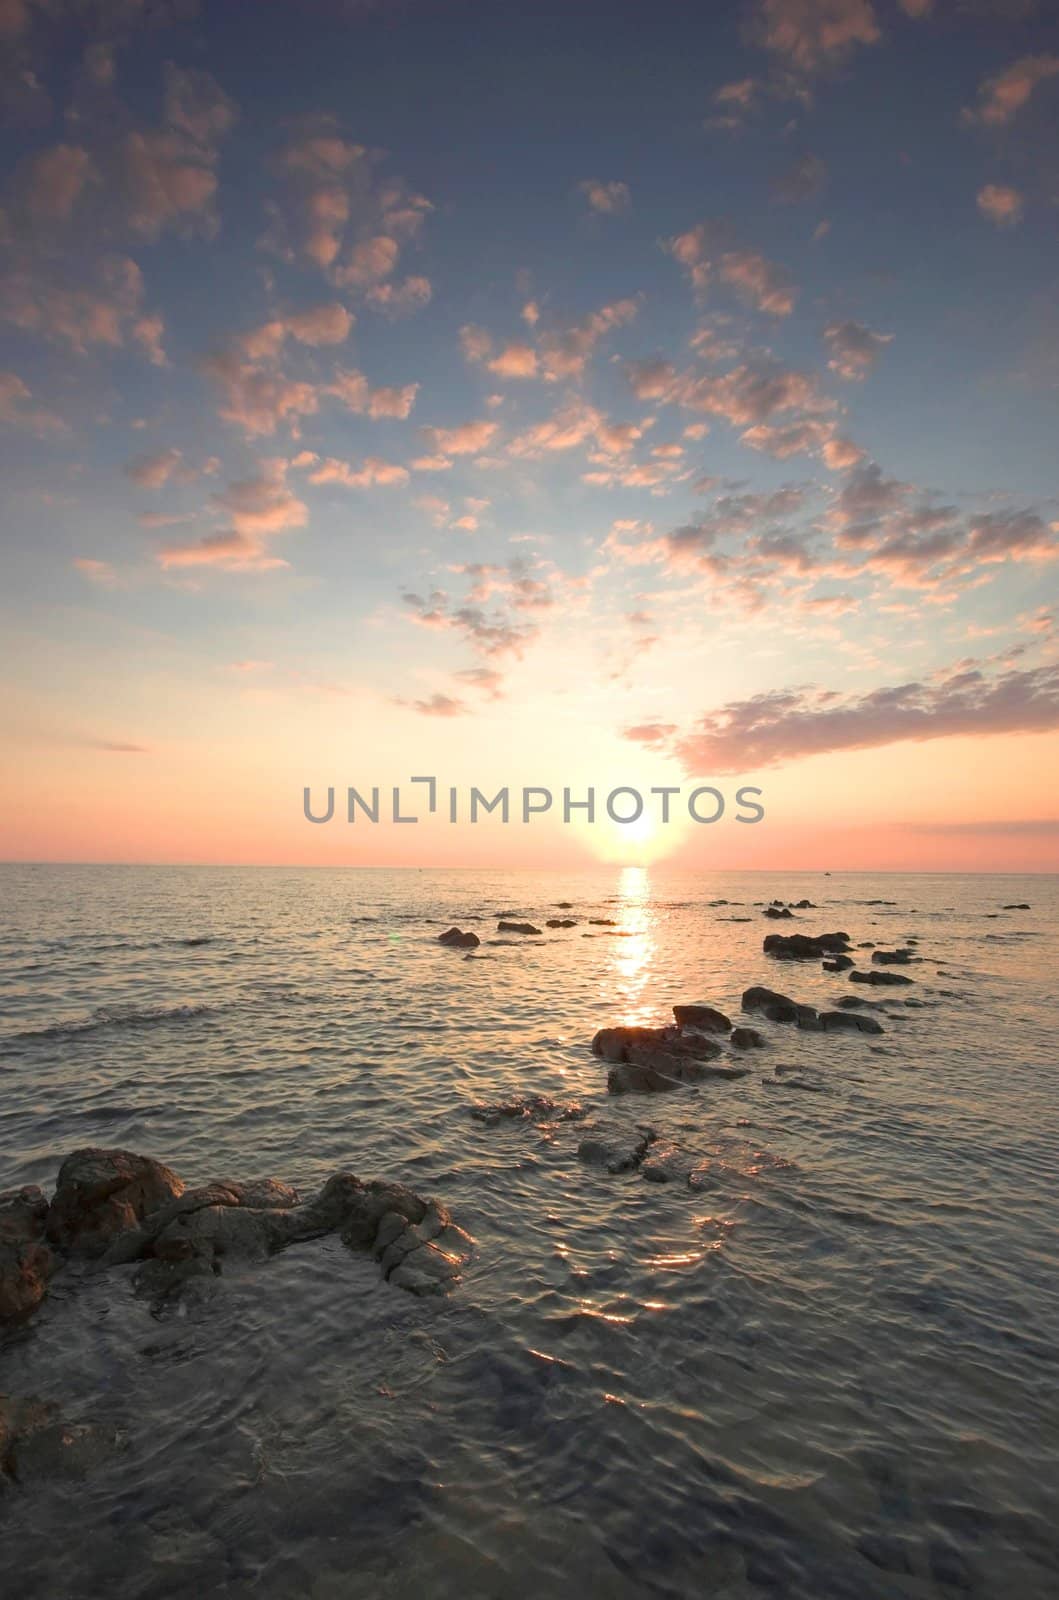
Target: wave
{"points": [[116, 1016]]}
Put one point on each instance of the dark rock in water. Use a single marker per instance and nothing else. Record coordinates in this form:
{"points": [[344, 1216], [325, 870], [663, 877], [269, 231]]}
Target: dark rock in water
{"points": [[879, 977], [602, 922], [26, 1263], [528, 1108], [805, 905], [36, 1446], [848, 1022], [705, 1018], [459, 940], [804, 946], [565, 905], [561, 922], [839, 964], [747, 1039], [856, 1002], [615, 1149], [776, 911], [892, 958], [666, 1163], [866, 944], [1022, 906], [778, 1007], [197, 939], [613, 1043], [515, 927], [102, 1193]]}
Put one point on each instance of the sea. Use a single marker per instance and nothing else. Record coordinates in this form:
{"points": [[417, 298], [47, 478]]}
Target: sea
{"points": [[820, 1361]]}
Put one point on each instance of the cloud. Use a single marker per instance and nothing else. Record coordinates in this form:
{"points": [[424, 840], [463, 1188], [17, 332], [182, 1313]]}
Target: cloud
{"points": [[759, 282], [57, 179], [801, 181], [154, 471], [791, 724], [438, 705], [372, 473], [169, 173], [853, 349], [17, 411], [254, 510], [401, 299], [565, 352], [815, 34], [102, 305], [357, 394], [1003, 206], [607, 198], [1002, 97], [467, 439]]}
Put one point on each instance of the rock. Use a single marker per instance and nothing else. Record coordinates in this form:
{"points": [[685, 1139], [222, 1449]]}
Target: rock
{"points": [[424, 1257], [565, 905], [776, 911], [613, 1043], [848, 1022], [747, 1039], [615, 1149], [1022, 906], [805, 905], [879, 977], [103, 1193], [602, 922], [778, 1007], [528, 1108], [666, 1163], [856, 1002], [804, 946], [791, 1078], [892, 957], [561, 922], [516, 927], [650, 1070], [839, 964], [37, 1446], [26, 1263], [703, 1018], [459, 940]]}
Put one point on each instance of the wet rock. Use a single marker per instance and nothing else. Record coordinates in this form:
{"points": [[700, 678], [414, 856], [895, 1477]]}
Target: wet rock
{"points": [[26, 1262], [565, 905], [528, 1108], [839, 964], [458, 940], [747, 1039], [425, 1256], [103, 1193], [776, 911], [779, 1007], [561, 922], [37, 1446], [848, 1022], [792, 1078], [704, 1018], [666, 1163], [615, 1149], [1022, 906], [804, 946], [516, 927], [602, 922], [650, 1070], [878, 978], [805, 905], [856, 1002], [892, 958]]}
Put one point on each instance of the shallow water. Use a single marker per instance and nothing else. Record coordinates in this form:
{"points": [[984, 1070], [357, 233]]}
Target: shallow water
{"points": [[827, 1369]]}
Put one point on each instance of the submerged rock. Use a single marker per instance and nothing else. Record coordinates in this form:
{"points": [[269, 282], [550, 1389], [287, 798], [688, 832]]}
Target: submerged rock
{"points": [[804, 946], [889, 958], [26, 1262], [615, 1149], [103, 1193], [878, 978], [778, 1007], [792, 1078], [747, 1039], [561, 922], [839, 964], [1022, 906], [504, 926], [528, 1108], [704, 1018], [37, 1446], [776, 911], [655, 1071], [459, 940], [602, 922]]}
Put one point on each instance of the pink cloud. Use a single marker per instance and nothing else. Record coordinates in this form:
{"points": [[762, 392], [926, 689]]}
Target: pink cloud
{"points": [[1002, 97], [1002, 206], [814, 34], [607, 198], [465, 440], [255, 509], [853, 349]]}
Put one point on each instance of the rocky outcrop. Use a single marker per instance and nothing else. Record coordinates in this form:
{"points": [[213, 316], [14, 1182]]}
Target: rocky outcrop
{"points": [[776, 911], [747, 1039], [602, 922], [561, 922], [804, 946], [1022, 906], [503, 926], [26, 1262], [705, 1019], [879, 978], [848, 1022], [458, 940], [102, 1193], [893, 958], [651, 1060], [839, 964]]}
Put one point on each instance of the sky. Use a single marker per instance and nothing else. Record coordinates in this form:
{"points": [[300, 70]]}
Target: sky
{"points": [[572, 395]]}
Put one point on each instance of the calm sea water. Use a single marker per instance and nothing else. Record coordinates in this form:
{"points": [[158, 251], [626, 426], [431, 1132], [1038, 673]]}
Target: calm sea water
{"points": [[828, 1369]]}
